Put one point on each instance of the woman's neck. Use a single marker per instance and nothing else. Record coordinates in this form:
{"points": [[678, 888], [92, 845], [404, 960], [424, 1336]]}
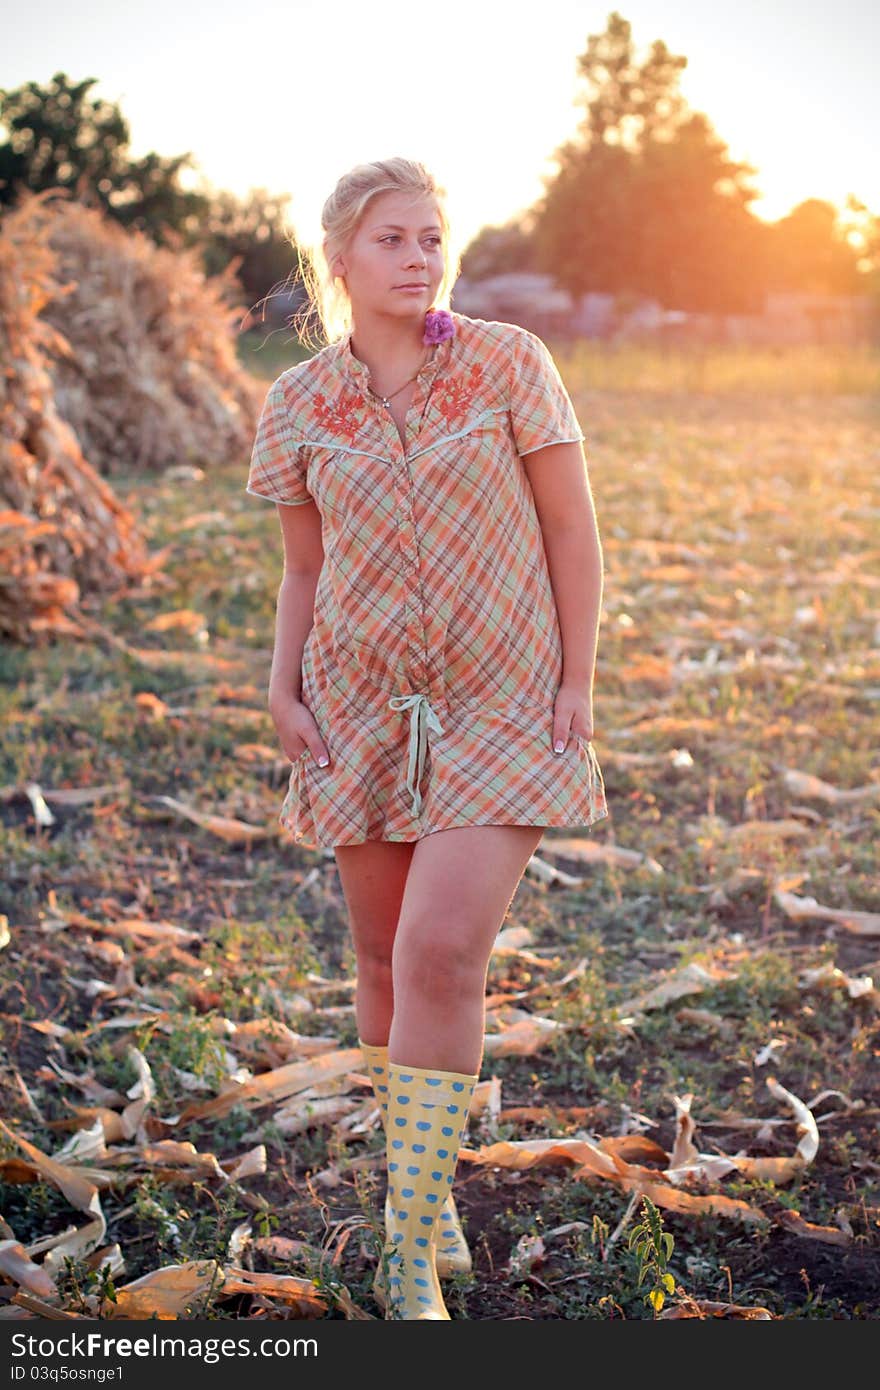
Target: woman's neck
{"points": [[390, 349]]}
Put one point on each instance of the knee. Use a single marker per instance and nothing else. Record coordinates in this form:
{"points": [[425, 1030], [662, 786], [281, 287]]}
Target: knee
{"points": [[442, 970], [374, 956]]}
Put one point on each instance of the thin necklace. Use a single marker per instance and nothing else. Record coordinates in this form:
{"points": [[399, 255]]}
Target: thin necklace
{"points": [[386, 400]]}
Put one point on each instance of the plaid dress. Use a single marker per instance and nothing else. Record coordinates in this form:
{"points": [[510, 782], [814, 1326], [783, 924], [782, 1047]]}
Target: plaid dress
{"points": [[435, 653]]}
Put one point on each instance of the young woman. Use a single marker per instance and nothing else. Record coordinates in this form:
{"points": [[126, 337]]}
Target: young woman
{"points": [[432, 678]]}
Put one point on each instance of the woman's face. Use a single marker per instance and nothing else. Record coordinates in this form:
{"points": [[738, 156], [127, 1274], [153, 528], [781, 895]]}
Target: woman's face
{"points": [[399, 242]]}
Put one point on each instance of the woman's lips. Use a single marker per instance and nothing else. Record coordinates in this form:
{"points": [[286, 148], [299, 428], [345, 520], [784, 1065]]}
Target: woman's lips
{"points": [[413, 289]]}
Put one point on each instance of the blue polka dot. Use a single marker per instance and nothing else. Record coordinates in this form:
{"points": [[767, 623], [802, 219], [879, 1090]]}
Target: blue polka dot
{"points": [[421, 1240], [444, 1128], [422, 1283], [401, 1121], [398, 1235], [433, 1080], [397, 1143], [422, 1298], [458, 1085], [436, 1176], [449, 1179], [422, 1264], [418, 1148], [403, 1100], [413, 1170], [383, 1089], [379, 1070], [452, 1109], [442, 1153], [446, 1216], [431, 1197], [426, 1220], [423, 1124], [393, 1167], [404, 1076], [407, 1192], [402, 1215]]}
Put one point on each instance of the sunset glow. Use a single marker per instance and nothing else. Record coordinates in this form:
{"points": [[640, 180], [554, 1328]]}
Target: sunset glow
{"points": [[287, 97]]}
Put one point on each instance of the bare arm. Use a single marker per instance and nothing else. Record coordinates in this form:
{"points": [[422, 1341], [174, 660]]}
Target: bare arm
{"points": [[564, 503], [294, 616]]}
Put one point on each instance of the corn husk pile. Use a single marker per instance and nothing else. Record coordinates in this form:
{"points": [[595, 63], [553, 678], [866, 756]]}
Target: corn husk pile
{"points": [[62, 530], [116, 355], [153, 379]]}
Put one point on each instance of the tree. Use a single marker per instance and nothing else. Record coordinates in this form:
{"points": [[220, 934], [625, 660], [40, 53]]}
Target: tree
{"points": [[59, 137], [697, 244], [56, 139], [584, 227], [626, 102], [498, 250], [811, 251], [861, 228], [646, 197], [251, 230]]}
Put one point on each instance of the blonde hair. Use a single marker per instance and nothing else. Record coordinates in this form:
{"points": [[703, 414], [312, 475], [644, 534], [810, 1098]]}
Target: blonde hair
{"points": [[328, 301]]}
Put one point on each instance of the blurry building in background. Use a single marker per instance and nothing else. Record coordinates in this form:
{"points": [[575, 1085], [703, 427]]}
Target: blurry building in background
{"points": [[532, 300], [535, 301]]}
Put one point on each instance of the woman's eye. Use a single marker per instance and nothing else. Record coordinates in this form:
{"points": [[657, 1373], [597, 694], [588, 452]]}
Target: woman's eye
{"points": [[435, 240]]}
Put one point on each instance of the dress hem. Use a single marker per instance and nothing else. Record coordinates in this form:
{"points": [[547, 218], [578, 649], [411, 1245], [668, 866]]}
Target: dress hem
{"points": [[565, 823]]}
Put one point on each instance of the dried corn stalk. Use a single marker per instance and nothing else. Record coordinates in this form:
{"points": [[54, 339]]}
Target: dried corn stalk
{"points": [[115, 354], [62, 530], [153, 378]]}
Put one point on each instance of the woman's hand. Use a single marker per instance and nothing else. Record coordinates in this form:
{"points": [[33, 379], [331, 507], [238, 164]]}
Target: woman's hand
{"points": [[572, 714], [296, 728]]}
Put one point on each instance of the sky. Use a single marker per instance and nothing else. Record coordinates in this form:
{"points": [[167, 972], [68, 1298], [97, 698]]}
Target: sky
{"points": [[288, 96]]}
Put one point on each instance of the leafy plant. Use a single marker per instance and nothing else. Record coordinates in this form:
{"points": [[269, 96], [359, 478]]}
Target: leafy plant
{"points": [[653, 1246]]}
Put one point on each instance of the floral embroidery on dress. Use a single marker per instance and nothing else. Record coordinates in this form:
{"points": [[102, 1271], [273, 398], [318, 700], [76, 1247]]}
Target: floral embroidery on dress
{"points": [[338, 415], [453, 396]]}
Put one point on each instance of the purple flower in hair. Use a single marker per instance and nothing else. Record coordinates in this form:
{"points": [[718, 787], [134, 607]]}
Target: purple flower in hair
{"points": [[439, 324]]}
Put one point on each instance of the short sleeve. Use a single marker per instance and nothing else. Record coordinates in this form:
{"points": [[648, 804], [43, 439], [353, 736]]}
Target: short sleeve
{"points": [[541, 411], [278, 462]]}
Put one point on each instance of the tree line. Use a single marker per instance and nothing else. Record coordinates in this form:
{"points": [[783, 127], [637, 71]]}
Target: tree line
{"points": [[58, 136], [644, 200]]}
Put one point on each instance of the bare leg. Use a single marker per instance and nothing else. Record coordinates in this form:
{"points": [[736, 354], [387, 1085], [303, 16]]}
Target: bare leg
{"points": [[460, 884], [373, 877]]}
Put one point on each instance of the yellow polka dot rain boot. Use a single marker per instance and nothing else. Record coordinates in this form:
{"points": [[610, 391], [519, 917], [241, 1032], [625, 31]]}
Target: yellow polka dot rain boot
{"points": [[425, 1123], [452, 1254]]}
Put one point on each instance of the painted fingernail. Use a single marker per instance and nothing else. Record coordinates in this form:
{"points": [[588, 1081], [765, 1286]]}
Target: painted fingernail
{"points": [[558, 746], [322, 762]]}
